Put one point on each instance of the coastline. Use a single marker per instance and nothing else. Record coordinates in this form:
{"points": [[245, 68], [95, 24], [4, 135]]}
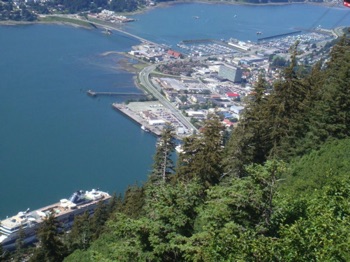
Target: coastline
{"points": [[218, 2], [78, 22]]}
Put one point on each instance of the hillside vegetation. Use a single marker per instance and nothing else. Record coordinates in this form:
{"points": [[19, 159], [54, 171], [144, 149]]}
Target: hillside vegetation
{"points": [[278, 190]]}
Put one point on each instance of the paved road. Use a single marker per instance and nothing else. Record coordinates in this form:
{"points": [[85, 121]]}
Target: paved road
{"points": [[145, 81]]}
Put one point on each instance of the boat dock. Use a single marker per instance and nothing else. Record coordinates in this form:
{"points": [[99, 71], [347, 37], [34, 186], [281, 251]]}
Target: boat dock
{"points": [[95, 94], [137, 118]]}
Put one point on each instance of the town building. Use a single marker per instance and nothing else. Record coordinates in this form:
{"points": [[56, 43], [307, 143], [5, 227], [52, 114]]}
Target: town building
{"points": [[234, 74]]}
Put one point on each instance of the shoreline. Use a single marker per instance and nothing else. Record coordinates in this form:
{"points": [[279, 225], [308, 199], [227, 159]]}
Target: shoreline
{"points": [[159, 5], [218, 2]]}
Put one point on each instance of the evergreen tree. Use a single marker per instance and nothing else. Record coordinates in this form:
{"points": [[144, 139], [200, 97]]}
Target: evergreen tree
{"points": [[98, 219], [3, 254], [286, 106], [202, 154], [134, 199], [333, 107], [248, 142], [114, 204], [20, 245], [80, 235], [163, 165], [51, 247]]}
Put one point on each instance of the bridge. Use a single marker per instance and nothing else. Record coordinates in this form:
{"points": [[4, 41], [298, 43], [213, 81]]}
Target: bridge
{"points": [[102, 24]]}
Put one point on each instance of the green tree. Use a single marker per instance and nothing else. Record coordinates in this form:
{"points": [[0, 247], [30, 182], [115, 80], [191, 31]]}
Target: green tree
{"points": [[322, 235], [249, 141], [80, 235], [134, 199], [51, 247], [202, 154], [334, 103], [98, 219], [163, 165], [20, 245], [234, 213]]}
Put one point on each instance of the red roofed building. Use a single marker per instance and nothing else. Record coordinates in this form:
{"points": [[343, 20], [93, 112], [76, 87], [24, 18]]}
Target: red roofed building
{"points": [[227, 123], [232, 95], [174, 53]]}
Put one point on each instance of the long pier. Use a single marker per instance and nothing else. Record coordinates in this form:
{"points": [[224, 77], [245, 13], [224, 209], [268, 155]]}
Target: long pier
{"points": [[95, 94]]}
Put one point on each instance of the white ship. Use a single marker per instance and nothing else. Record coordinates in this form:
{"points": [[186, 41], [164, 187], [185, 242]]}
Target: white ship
{"points": [[64, 211]]}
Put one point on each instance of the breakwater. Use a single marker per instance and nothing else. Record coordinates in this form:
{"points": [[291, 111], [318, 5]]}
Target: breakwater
{"points": [[278, 36]]}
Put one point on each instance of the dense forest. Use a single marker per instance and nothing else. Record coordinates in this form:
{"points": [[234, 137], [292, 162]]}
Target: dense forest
{"points": [[277, 190]]}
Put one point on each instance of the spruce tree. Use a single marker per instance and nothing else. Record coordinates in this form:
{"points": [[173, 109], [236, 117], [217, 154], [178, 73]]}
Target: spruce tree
{"points": [[163, 165], [80, 235], [202, 156], [51, 247], [134, 199], [98, 219], [248, 142], [333, 106], [20, 245]]}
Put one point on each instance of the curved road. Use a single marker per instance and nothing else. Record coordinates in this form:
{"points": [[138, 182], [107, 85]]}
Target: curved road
{"points": [[145, 81]]}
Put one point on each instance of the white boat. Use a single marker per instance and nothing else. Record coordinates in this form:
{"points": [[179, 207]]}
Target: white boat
{"points": [[144, 128], [65, 211]]}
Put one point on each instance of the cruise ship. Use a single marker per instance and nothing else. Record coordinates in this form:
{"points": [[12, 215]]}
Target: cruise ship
{"points": [[65, 211]]}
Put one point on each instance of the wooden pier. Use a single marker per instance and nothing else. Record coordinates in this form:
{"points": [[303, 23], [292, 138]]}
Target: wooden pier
{"points": [[95, 94]]}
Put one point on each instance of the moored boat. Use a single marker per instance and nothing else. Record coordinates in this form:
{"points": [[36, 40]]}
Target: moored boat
{"points": [[144, 128], [64, 211]]}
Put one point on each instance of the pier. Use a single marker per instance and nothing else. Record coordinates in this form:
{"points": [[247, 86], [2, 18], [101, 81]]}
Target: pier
{"points": [[95, 94], [137, 118]]}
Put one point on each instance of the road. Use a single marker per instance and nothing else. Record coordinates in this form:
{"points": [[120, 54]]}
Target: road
{"points": [[145, 81]]}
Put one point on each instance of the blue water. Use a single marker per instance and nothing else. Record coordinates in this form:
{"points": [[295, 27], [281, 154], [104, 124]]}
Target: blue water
{"points": [[170, 25], [54, 139]]}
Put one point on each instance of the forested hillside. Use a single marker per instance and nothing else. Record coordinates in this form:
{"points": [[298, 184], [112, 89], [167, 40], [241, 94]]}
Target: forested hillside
{"points": [[279, 190]]}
